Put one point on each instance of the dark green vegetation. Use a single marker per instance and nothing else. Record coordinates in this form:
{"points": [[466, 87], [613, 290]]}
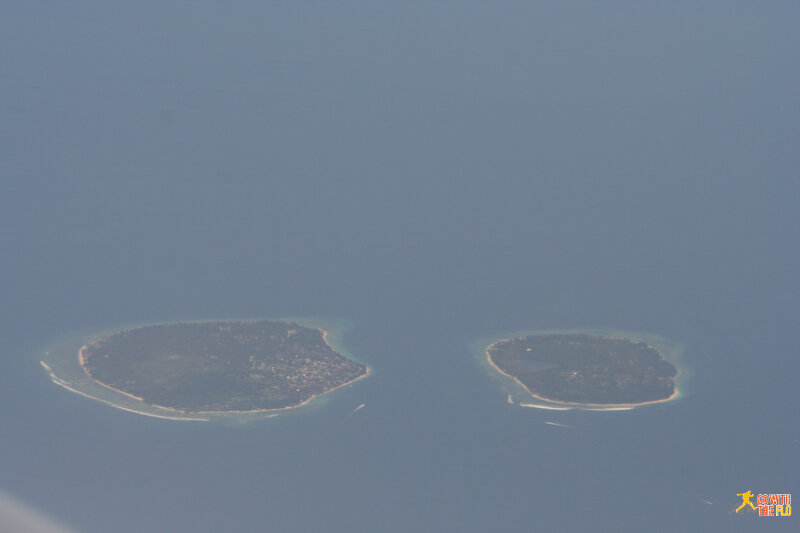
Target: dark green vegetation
{"points": [[581, 368], [220, 366]]}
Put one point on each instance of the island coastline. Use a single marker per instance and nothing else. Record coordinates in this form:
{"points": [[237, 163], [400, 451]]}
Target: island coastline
{"points": [[82, 361], [561, 404]]}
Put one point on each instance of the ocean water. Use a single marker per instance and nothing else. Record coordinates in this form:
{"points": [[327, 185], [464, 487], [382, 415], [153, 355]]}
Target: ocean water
{"points": [[431, 175]]}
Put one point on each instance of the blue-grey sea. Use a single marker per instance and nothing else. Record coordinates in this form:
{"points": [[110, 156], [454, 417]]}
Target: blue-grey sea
{"points": [[429, 174]]}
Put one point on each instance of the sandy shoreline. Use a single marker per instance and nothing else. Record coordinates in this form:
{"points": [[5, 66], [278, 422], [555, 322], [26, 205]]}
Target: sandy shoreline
{"points": [[65, 384], [82, 362], [594, 406]]}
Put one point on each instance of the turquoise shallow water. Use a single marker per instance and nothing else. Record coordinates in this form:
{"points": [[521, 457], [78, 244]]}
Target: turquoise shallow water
{"points": [[669, 350], [436, 174], [429, 423], [59, 361]]}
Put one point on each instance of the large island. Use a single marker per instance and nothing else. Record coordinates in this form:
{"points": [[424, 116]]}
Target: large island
{"points": [[582, 369], [219, 366]]}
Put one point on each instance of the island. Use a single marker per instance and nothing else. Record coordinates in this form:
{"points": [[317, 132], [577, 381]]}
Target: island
{"points": [[583, 369], [242, 366]]}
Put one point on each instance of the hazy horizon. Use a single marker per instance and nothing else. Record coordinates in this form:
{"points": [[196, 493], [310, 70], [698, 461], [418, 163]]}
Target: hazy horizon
{"points": [[435, 173]]}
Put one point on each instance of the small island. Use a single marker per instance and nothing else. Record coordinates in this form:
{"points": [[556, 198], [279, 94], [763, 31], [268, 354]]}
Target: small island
{"points": [[209, 367], [583, 369]]}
